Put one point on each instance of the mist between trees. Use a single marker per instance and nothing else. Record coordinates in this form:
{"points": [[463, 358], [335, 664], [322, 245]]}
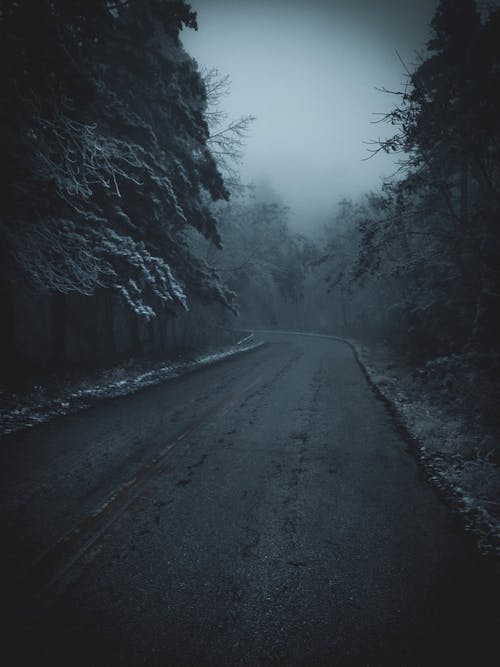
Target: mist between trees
{"points": [[126, 231]]}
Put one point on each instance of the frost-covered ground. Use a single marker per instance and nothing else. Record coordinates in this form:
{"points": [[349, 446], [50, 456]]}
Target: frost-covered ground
{"points": [[44, 402], [438, 408]]}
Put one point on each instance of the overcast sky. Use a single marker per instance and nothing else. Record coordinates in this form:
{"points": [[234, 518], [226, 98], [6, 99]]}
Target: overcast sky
{"points": [[308, 71]]}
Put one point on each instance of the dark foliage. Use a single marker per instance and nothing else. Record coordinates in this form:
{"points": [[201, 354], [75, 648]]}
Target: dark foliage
{"points": [[419, 261], [435, 229], [106, 161]]}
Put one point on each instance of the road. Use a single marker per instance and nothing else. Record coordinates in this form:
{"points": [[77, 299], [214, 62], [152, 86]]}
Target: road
{"points": [[263, 511]]}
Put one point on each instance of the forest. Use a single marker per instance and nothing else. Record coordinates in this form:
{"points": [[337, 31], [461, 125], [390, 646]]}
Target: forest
{"points": [[127, 232]]}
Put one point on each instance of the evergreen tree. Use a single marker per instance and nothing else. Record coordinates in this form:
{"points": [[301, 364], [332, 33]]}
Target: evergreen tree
{"points": [[106, 147]]}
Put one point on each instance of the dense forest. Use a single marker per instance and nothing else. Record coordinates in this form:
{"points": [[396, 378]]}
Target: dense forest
{"points": [[107, 169], [126, 230]]}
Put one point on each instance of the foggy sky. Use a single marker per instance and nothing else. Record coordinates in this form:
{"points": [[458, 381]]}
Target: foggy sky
{"points": [[308, 71]]}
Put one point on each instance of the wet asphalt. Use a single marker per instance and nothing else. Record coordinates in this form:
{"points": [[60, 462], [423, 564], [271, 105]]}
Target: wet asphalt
{"points": [[263, 511]]}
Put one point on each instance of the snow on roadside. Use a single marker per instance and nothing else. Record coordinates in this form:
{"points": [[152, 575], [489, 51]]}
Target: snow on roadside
{"points": [[19, 412], [450, 450]]}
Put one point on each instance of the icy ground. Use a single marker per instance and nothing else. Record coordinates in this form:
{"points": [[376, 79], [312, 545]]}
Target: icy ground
{"points": [[44, 402], [459, 458]]}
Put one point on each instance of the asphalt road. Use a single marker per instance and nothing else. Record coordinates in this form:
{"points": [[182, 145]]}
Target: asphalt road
{"points": [[263, 511]]}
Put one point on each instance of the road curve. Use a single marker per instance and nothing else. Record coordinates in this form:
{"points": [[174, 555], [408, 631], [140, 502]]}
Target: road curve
{"points": [[264, 511]]}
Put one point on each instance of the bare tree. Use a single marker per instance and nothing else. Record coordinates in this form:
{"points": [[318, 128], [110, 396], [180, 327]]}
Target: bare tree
{"points": [[227, 137]]}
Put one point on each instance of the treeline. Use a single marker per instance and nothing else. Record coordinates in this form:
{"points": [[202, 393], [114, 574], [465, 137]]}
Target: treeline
{"points": [[417, 264], [119, 237], [116, 150], [106, 168], [426, 248], [262, 261]]}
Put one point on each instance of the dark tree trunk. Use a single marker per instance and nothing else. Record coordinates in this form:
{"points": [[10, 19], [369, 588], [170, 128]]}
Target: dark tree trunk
{"points": [[136, 348], [153, 335], [464, 195], [9, 355], [486, 329], [162, 331], [109, 327], [58, 330]]}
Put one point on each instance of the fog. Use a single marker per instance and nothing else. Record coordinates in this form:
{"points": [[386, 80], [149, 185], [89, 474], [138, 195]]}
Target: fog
{"points": [[309, 72]]}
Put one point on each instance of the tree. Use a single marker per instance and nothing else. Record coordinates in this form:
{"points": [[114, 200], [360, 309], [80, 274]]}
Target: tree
{"points": [[106, 155], [226, 137], [450, 166], [261, 260], [131, 169]]}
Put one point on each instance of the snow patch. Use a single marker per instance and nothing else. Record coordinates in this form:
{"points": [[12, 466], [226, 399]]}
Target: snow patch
{"points": [[43, 404], [456, 456]]}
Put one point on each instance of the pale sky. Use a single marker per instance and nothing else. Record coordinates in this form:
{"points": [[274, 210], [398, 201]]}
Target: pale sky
{"points": [[308, 71]]}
